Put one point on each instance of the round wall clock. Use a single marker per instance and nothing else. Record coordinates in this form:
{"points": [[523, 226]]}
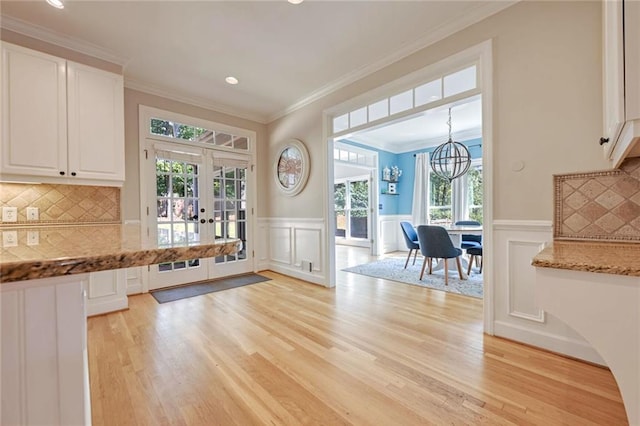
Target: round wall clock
{"points": [[291, 168]]}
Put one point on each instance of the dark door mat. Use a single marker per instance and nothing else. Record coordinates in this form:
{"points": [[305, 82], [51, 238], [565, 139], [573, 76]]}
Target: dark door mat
{"points": [[197, 289]]}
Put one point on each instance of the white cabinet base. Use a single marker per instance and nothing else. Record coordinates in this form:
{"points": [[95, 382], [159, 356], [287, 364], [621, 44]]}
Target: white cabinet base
{"points": [[106, 292], [605, 310], [44, 347]]}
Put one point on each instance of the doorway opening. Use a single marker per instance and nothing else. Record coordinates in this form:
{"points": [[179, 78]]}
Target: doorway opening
{"points": [[355, 196], [411, 110], [196, 185]]}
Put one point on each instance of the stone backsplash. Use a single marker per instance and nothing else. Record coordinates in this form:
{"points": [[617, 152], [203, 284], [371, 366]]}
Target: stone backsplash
{"points": [[599, 205], [62, 204]]}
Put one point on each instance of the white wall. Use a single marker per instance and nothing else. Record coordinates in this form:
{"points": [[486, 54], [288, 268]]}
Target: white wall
{"points": [[547, 114], [547, 106]]}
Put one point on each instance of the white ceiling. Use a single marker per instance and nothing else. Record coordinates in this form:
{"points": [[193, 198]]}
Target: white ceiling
{"points": [[284, 55]]}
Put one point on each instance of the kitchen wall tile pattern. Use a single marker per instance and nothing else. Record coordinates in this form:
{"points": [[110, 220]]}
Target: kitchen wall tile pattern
{"points": [[62, 204], [599, 205]]}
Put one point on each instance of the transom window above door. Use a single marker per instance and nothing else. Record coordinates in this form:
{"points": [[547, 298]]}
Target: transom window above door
{"points": [[440, 89], [199, 135]]}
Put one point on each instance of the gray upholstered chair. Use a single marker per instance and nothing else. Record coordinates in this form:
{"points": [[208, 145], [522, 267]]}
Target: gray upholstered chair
{"points": [[468, 240], [411, 239], [435, 243], [474, 253]]}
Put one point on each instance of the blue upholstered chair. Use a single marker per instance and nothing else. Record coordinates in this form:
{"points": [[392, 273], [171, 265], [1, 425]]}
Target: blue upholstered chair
{"points": [[467, 240], [435, 243], [411, 239], [474, 253]]}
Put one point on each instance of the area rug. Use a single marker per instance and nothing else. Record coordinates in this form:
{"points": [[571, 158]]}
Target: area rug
{"points": [[197, 289], [392, 268]]}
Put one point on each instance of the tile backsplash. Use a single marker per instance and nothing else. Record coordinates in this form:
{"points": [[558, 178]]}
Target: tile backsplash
{"points": [[62, 204], [599, 205]]}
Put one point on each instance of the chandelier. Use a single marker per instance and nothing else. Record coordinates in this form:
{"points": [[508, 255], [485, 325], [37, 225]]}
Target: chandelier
{"points": [[451, 159]]}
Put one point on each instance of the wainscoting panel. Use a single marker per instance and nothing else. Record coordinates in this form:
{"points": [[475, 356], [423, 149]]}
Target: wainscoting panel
{"points": [[134, 280], [517, 316], [521, 287], [389, 233], [107, 292], [391, 238], [280, 244], [308, 247], [286, 242]]}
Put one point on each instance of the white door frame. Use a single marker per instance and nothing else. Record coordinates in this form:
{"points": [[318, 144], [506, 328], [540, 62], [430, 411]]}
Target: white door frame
{"points": [[145, 113], [482, 55]]}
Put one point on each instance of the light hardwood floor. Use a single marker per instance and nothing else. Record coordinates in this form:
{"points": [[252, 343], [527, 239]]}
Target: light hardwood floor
{"points": [[369, 352]]}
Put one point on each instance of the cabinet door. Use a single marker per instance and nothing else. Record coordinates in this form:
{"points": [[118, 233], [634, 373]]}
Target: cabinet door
{"points": [[43, 349], [96, 123], [613, 72], [632, 59], [34, 113], [106, 292]]}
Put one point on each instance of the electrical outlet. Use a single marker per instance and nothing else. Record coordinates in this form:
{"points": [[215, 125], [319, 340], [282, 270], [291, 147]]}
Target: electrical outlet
{"points": [[9, 214], [33, 213], [9, 238], [33, 238]]}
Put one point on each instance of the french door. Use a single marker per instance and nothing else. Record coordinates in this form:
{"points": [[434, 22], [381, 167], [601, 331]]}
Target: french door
{"points": [[353, 211], [199, 195]]}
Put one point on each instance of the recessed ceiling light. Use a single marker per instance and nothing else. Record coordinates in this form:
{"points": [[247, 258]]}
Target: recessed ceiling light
{"points": [[295, 1], [231, 80], [56, 3]]}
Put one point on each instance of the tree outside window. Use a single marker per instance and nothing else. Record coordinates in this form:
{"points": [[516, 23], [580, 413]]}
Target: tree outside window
{"points": [[474, 193], [443, 195], [351, 206], [440, 202]]}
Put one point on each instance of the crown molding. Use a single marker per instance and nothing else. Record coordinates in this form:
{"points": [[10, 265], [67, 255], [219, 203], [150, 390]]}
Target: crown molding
{"points": [[191, 100], [441, 32], [446, 29], [44, 34]]}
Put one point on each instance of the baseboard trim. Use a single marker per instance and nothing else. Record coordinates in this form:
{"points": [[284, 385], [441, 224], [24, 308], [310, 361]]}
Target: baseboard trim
{"points": [[106, 307], [315, 279], [550, 342]]}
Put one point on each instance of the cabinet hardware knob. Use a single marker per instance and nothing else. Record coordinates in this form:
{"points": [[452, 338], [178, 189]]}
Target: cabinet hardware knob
{"points": [[201, 210], [61, 173], [73, 173], [210, 220], [203, 221], [603, 141]]}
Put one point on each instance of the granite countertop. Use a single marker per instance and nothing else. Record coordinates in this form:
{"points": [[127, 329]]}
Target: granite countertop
{"points": [[590, 256], [50, 251]]}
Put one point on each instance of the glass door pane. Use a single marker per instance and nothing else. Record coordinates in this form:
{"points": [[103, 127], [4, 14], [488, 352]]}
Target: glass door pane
{"points": [[230, 207], [359, 212], [177, 195], [340, 198]]}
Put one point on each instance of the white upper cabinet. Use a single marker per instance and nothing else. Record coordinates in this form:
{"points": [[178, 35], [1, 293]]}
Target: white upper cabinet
{"points": [[34, 112], [95, 114], [621, 76], [62, 122]]}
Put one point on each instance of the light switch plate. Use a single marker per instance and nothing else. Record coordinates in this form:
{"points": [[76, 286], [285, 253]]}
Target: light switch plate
{"points": [[33, 213], [9, 238], [9, 214]]}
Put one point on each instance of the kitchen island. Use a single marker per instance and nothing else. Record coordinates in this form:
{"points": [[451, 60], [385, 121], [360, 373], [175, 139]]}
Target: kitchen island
{"points": [[43, 277], [594, 287]]}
